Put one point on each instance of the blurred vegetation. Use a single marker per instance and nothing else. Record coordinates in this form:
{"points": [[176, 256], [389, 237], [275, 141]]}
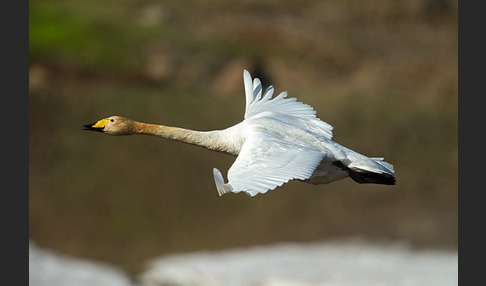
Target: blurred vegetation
{"points": [[384, 74]]}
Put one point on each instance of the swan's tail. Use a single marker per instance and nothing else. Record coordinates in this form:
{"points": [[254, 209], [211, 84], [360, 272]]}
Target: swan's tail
{"points": [[370, 170]]}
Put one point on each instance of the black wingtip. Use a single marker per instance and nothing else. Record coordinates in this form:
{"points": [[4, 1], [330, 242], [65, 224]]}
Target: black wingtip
{"points": [[372, 178], [364, 177]]}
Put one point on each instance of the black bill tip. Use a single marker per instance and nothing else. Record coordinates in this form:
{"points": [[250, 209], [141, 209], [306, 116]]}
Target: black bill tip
{"points": [[90, 127]]}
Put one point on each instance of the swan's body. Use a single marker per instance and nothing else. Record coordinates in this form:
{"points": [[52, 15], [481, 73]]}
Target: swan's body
{"points": [[279, 140]]}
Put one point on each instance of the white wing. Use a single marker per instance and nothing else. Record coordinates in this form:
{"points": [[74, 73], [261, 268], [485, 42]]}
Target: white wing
{"points": [[268, 158], [266, 162], [282, 107]]}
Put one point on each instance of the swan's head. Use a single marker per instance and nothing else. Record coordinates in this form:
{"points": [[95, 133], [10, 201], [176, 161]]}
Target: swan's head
{"points": [[113, 125]]}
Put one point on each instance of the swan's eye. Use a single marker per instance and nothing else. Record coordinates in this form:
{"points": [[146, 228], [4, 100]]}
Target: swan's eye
{"points": [[112, 120]]}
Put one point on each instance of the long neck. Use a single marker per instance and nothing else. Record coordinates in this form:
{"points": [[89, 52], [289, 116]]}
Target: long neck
{"points": [[212, 140]]}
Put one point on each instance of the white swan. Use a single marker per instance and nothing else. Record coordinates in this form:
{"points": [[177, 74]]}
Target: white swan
{"points": [[279, 140]]}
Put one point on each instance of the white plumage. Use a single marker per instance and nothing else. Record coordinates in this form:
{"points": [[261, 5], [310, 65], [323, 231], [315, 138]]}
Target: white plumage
{"points": [[280, 139], [284, 140]]}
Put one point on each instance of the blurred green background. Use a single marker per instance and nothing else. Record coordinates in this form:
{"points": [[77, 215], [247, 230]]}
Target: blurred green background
{"points": [[383, 73]]}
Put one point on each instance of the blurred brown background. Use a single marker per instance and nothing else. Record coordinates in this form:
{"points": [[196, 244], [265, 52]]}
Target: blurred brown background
{"points": [[383, 73]]}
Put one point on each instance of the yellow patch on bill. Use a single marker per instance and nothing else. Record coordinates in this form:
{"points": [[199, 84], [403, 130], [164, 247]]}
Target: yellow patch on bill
{"points": [[101, 123]]}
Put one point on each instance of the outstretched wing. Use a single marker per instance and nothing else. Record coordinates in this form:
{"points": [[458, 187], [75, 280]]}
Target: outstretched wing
{"points": [[266, 162], [258, 105], [269, 156]]}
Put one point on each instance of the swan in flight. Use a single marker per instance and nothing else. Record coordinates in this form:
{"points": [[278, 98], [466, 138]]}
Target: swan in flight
{"points": [[280, 139]]}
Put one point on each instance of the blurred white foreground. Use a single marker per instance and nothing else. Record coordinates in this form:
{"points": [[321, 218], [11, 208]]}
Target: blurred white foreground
{"points": [[47, 268], [348, 263], [344, 264]]}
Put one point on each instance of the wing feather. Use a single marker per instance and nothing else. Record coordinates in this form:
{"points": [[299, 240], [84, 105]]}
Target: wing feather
{"points": [[267, 95], [268, 158], [257, 89], [248, 88], [283, 141], [265, 162], [279, 106]]}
